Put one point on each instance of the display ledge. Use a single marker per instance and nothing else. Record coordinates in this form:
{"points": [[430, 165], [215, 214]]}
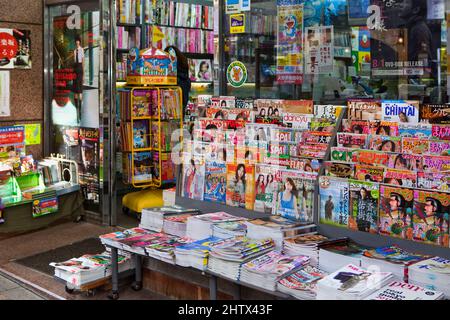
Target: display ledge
{"points": [[375, 240], [17, 200], [176, 27], [197, 277], [210, 207]]}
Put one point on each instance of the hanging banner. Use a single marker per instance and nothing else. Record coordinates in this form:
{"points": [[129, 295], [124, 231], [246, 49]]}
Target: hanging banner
{"points": [[15, 49], [319, 49], [5, 109], [237, 23], [290, 44]]}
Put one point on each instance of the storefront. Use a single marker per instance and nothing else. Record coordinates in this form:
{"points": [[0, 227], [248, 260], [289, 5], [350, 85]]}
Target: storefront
{"points": [[327, 116]]}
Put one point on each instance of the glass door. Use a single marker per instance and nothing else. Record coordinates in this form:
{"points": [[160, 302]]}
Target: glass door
{"points": [[79, 95]]}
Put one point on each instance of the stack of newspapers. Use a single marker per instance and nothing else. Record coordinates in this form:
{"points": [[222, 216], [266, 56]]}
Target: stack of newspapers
{"points": [[266, 270]]}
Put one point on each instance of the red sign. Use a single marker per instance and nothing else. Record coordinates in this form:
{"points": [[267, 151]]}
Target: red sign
{"points": [[8, 46], [12, 136]]}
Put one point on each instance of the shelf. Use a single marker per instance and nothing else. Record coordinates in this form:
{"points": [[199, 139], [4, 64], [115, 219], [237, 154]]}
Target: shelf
{"points": [[194, 54], [176, 27], [123, 24]]}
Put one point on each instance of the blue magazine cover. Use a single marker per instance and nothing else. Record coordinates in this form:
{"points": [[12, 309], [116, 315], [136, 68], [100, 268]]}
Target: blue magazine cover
{"points": [[215, 182]]}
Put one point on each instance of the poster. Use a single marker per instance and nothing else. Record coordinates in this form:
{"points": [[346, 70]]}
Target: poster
{"points": [[5, 110], [319, 50], [15, 49], [232, 6], [290, 46], [408, 44], [32, 134], [76, 66], [12, 136], [90, 164], [237, 23]]}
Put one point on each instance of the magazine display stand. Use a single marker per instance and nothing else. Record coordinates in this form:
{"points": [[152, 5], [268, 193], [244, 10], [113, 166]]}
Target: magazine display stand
{"points": [[411, 184], [148, 119]]}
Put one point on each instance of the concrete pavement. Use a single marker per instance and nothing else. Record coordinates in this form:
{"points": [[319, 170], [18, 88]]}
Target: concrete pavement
{"points": [[11, 290]]}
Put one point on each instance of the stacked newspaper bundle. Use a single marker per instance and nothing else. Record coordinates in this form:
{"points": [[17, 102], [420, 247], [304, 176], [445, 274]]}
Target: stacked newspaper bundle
{"points": [[200, 226], [277, 228], [336, 256], [176, 225], [397, 290], [195, 254], [351, 283], [308, 245], [227, 257], [433, 274], [153, 218], [302, 284], [265, 271], [88, 268], [391, 259], [229, 229], [111, 239]]}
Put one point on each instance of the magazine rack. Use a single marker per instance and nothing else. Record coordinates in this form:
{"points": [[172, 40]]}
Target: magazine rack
{"points": [[146, 135], [363, 238]]}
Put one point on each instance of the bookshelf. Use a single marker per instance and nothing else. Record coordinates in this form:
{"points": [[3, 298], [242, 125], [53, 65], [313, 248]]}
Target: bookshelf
{"points": [[184, 24], [147, 118]]}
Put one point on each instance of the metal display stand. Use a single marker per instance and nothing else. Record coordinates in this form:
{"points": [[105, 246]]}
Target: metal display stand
{"points": [[212, 278]]}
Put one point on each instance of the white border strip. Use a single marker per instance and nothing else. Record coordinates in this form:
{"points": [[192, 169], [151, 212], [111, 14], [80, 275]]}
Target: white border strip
{"points": [[28, 283]]}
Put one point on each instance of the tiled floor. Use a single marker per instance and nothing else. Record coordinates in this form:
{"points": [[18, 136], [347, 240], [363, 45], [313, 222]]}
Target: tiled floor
{"points": [[10, 290]]}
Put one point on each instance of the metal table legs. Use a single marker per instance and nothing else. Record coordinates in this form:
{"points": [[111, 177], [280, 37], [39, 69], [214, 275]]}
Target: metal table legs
{"points": [[137, 285], [115, 274], [213, 287]]}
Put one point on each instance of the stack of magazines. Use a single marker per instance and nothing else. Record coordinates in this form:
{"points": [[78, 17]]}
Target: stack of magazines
{"points": [[111, 239], [227, 257], [163, 247], [351, 283], [265, 271], [336, 256], [200, 226], [397, 290], [138, 243], [153, 218], [431, 274], [302, 284], [229, 229], [195, 254], [277, 228], [176, 224], [88, 268], [308, 245], [391, 259]]}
